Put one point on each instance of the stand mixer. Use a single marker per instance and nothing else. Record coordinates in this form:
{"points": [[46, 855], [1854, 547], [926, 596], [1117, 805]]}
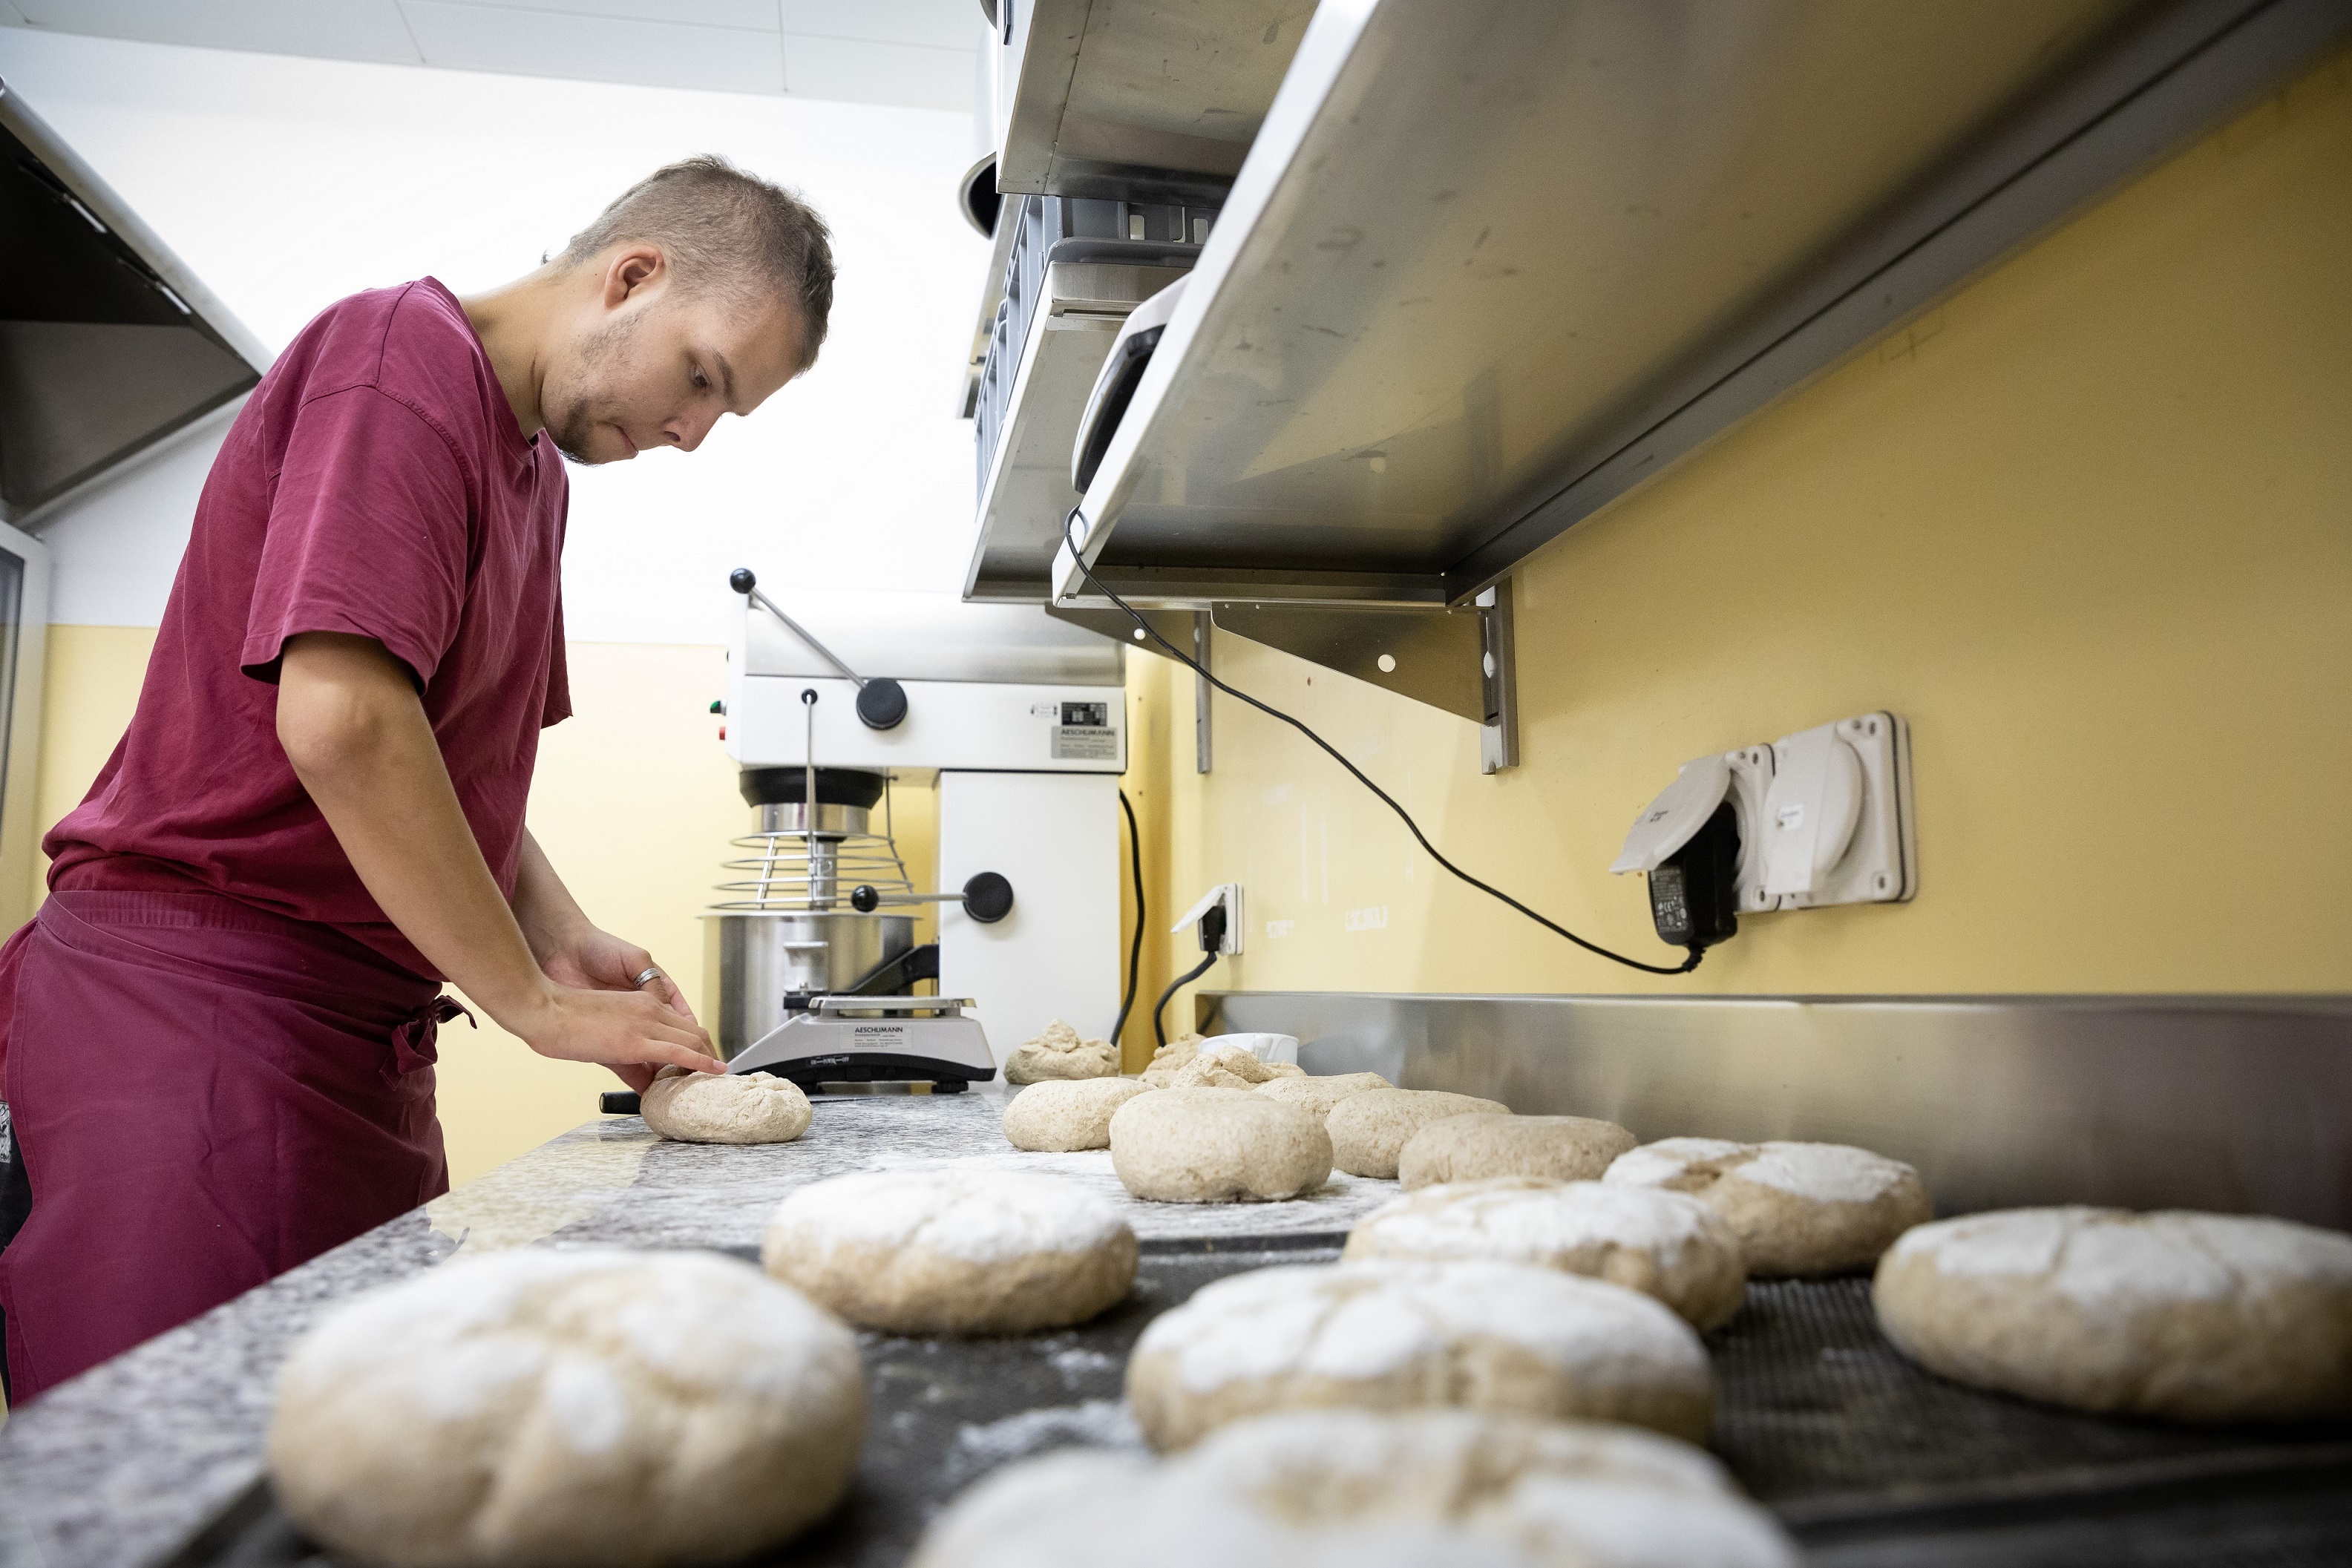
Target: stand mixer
{"points": [[810, 950]]}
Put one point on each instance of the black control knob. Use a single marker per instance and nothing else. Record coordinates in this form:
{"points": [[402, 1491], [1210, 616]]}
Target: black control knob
{"points": [[741, 580], [988, 898], [863, 899], [881, 703]]}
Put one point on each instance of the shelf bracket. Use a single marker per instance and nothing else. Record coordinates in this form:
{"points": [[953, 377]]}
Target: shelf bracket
{"points": [[1458, 658]]}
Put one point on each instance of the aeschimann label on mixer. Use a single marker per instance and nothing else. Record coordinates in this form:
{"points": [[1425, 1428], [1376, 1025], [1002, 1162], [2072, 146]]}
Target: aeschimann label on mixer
{"points": [[1082, 732]]}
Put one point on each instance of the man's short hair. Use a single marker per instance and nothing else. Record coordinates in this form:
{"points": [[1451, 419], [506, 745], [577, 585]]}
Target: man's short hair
{"points": [[726, 229]]}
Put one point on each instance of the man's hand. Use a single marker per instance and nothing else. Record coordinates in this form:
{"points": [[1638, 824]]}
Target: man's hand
{"points": [[350, 720]]}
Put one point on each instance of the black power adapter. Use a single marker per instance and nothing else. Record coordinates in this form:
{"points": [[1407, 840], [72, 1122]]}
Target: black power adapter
{"points": [[1695, 892]]}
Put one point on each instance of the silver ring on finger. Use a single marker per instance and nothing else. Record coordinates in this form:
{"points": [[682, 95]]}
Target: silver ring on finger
{"points": [[648, 973]]}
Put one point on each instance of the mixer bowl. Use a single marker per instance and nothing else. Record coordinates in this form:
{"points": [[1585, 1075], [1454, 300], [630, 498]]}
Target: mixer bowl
{"points": [[752, 959]]}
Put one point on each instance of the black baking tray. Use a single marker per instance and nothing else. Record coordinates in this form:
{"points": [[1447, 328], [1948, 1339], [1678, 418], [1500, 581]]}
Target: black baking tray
{"points": [[1866, 1459]]}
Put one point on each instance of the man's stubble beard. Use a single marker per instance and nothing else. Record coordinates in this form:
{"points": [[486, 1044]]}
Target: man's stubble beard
{"points": [[572, 427]]}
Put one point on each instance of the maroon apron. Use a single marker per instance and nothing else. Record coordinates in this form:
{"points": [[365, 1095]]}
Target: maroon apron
{"points": [[205, 1094]]}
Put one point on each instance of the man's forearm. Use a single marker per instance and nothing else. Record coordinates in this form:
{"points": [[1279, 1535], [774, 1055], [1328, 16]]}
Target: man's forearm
{"points": [[550, 916], [366, 754]]}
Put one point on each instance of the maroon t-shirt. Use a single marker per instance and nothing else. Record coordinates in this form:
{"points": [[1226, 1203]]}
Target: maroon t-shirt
{"points": [[376, 483]]}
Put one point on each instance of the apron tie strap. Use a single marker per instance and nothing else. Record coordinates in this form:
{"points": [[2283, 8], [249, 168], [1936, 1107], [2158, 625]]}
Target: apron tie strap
{"points": [[413, 1042]]}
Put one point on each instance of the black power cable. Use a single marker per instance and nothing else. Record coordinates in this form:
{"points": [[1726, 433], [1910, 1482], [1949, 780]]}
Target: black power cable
{"points": [[1158, 1027], [1135, 949], [1069, 538]]}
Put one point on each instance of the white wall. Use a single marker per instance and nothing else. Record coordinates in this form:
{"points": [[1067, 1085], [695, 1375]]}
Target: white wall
{"points": [[286, 184]]}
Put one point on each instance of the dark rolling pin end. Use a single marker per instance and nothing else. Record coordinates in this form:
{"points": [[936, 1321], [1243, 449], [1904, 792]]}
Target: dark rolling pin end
{"points": [[619, 1103]]}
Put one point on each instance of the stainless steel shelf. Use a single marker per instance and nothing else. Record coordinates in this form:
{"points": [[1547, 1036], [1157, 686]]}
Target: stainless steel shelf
{"points": [[1147, 100], [1490, 265], [1028, 491]]}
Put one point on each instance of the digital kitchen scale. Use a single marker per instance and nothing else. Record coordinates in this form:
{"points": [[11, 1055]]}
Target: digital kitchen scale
{"points": [[853, 1040]]}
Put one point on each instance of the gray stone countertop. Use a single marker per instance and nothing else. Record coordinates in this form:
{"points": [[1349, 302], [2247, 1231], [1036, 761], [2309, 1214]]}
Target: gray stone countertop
{"points": [[122, 1465]]}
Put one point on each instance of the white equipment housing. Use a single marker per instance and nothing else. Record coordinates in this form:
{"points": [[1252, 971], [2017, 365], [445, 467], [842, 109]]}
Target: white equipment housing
{"points": [[1023, 720]]}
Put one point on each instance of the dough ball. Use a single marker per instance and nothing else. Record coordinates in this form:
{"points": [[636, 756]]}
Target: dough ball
{"points": [[2194, 1317], [1371, 1129], [1326, 1488], [1797, 1208], [1662, 1244], [1068, 1115], [1391, 1335], [1230, 1067], [1470, 1148], [1160, 1070], [952, 1251], [724, 1107], [1060, 1053], [1316, 1096], [598, 1406], [1217, 1145]]}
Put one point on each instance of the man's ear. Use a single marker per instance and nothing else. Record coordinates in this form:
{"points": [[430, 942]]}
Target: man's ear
{"points": [[632, 268]]}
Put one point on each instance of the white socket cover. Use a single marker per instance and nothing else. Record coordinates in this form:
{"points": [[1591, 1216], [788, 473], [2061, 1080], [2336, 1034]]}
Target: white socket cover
{"points": [[1228, 894], [1838, 816], [1680, 809]]}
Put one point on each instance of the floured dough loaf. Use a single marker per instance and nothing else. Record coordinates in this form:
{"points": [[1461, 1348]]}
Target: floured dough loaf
{"points": [[1351, 1488], [1369, 1130], [2195, 1317], [724, 1107], [1162, 1070], [1230, 1067], [1797, 1208], [952, 1251], [1316, 1096], [1069, 1115], [596, 1407], [1060, 1053], [1470, 1148], [1389, 1335], [1662, 1244], [1217, 1145]]}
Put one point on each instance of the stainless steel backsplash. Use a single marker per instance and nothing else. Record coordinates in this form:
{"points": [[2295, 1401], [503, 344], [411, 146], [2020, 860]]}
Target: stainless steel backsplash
{"points": [[2241, 1104]]}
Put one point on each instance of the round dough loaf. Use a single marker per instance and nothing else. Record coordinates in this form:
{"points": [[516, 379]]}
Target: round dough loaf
{"points": [[1056, 1117], [724, 1107], [952, 1251], [1797, 1209], [1352, 1488], [598, 1406], [1217, 1145], [1471, 1148], [1662, 1244], [1316, 1096], [2193, 1317], [1058, 1053], [1371, 1129], [1388, 1335], [1231, 1067]]}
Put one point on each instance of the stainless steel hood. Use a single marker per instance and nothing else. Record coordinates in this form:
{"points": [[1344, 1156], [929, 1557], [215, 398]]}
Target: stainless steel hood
{"points": [[107, 344]]}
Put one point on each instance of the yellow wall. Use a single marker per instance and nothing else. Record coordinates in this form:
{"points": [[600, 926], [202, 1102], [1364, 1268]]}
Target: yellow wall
{"points": [[633, 801], [2088, 526]]}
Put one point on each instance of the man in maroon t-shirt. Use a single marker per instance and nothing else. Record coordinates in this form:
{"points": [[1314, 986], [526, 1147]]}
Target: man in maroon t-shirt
{"points": [[217, 1035]]}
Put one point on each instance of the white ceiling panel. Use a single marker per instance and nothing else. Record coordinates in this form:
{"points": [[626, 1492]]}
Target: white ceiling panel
{"points": [[754, 15], [860, 72], [336, 29], [10, 16], [594, 49], [939, 24]]}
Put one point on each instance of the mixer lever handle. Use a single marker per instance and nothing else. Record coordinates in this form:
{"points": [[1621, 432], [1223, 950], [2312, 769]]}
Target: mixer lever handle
{"points": [[881, 701]]}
